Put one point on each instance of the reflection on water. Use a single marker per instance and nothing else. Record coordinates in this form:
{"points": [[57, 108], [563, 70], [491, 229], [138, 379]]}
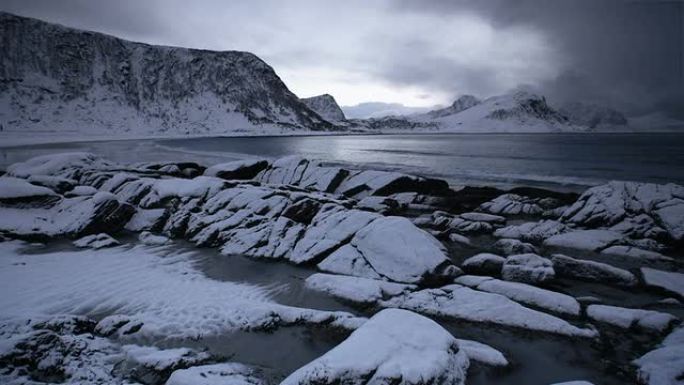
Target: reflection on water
{"points": [[561, 161]]}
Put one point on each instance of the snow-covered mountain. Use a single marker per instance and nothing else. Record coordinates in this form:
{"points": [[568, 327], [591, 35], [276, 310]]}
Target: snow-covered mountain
{"points": [[377, 110], [518, 111], [593, 115], [325, 106], [60, 81]]}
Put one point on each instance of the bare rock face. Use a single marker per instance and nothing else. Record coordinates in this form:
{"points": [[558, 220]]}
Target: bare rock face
{"points": [[325, 106], [56, 77]]}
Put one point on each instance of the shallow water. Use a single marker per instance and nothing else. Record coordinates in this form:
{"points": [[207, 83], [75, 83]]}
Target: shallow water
{"points": [[558, 161]]}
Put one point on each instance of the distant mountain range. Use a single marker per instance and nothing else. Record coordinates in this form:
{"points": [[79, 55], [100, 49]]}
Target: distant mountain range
{"points": [[62, 82]]}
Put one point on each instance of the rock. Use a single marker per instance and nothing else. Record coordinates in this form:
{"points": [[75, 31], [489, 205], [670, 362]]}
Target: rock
{"points": [[15, 191], [513, 246], [239, 169], [67, 165], [96, 241], [156, 365], [485, 354], [466, 223], [635, 253], [303, 211], [666, 280], [528, 268], [646, 320], [391, 248], [147, 220], [379, 204], [372, 182], [150, 239], [394, 346], [117, 323], [514, 204], [483, 264], [615, 202], [535, 232], [592, 271], [199, 187], [80, 191], [458, 238], [216, 374], [355, 289], [593, 240], [663, 365], [462, 303], [55, 183], [526, 294], [325, 106]]}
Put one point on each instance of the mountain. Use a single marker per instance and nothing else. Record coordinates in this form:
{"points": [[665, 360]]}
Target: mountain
{"points": [[376, 110], [462, 103], [593, 115], [59, 80], [518, 111], [326, 107]]}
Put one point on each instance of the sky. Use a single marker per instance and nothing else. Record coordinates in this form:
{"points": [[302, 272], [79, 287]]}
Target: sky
{"points": [[625, 54]]}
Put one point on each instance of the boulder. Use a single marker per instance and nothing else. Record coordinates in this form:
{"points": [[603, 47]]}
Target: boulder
{"points": [[393, 347], [534, 232], [513, 246], [665, 280], [528, 268], [239, 169], [483, 264], [591, 271], [645, 320], [96, 241]]}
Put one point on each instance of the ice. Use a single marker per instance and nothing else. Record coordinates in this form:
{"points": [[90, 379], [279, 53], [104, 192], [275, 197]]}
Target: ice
{"points": [[394, 346], [624, 318], [667, 280], [459, 302]]}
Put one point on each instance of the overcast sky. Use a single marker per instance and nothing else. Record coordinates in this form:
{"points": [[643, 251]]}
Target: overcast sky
{"points": [[623, 53]]}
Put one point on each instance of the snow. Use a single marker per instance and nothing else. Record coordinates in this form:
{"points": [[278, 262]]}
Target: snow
{"points": [[592, 271], [665, 364], [81, 191], [162, 359], [625, 318], [215, 374], [667, 280], [635, 253], [394, 346], [484, 263], [392, 248], [154, 285], [56, 164], [459, 302], [593, 240], [15, 188], [355, 289], [526, 294], [145, 219], [513, 204], [201, 186], [147, 238], [529, 268], [238, 169], [96, 241]]}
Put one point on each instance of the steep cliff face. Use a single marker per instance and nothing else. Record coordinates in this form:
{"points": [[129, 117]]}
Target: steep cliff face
{"points": [[462, 103], [54, 78], [593, 115], [325, 106]]}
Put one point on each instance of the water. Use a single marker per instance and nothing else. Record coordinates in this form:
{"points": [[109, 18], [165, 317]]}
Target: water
{"points": [[559, 161]]}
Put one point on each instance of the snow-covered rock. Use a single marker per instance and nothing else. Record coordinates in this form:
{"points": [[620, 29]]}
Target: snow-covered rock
{"points": [[394, 346], [593, 240], [355, 289], [665, 364], [65, 165], [666, 280], [154, 365], [239, 169], [635, 253], [591, 271], [528, 268], [477, 351], [216, 374], [460, 302], [390, 248], [483, 264], [148, 238], [19, 191], [624, 318], [525, 294], [326, 107], [79, 191], [96, 241], [513, 246], [71, 81], [465, 223], [514, 204], [535, 232], [616, 202]]}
